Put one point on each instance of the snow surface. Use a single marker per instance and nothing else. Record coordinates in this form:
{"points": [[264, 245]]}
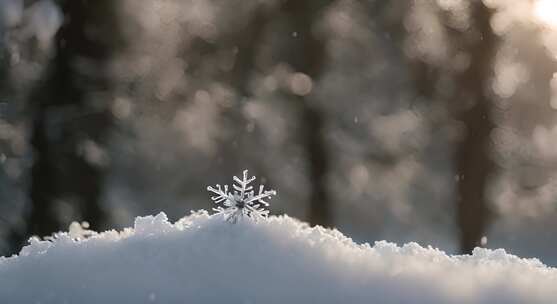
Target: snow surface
{"points": [[204, 259]]}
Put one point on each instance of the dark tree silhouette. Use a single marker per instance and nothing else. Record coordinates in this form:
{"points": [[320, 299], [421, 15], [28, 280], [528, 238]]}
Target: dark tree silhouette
{"points": [[307, 55], [470, 104], [473, 162], [65, 119]]}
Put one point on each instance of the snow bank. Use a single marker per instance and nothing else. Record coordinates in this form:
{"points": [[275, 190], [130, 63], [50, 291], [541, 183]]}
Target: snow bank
{"points": [[203, 259]]}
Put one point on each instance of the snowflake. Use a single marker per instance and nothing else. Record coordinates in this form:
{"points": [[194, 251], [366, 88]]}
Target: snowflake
{"points": [[242, 202]]}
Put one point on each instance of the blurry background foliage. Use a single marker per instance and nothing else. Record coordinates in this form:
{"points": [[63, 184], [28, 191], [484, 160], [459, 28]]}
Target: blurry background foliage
{"points": [[428, 120]]}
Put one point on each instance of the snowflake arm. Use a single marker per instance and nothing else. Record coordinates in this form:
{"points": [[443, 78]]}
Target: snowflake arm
{"points": [[261, 196], [222, 195], [243, 184], [232, 214]]}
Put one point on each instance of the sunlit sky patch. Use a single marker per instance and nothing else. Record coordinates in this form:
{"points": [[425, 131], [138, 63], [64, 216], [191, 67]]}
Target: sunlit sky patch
{"points": [[546, 12]]}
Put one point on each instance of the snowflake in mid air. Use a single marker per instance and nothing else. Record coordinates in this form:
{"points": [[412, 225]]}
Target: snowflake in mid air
{"points": [[242, 201]]}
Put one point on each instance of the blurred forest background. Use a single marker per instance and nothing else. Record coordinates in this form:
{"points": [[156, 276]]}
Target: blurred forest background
{"points": [[428, 120]]}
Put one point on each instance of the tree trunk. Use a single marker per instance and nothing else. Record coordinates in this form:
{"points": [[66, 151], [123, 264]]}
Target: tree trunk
{"points": [[67, 120], [473, 163], [470, 105], [308, 58]]}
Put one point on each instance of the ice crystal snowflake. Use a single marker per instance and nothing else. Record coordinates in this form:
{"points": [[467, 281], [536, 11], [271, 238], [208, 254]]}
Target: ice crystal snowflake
{"points": [[242, 202]]}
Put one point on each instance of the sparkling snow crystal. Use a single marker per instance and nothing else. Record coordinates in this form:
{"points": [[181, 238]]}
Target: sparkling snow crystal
{"points": [[242, 201]]}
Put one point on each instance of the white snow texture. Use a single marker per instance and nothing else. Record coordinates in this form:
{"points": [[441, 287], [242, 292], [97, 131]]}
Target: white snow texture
{"points": [[205, 259]]}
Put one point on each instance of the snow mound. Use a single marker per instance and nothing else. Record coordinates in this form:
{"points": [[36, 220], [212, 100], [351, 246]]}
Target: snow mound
{"points": [[204, 259]]}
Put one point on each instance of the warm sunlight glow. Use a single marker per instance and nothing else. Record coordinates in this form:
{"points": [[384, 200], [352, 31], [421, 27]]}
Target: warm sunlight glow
{"points": [[546, 12]]}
